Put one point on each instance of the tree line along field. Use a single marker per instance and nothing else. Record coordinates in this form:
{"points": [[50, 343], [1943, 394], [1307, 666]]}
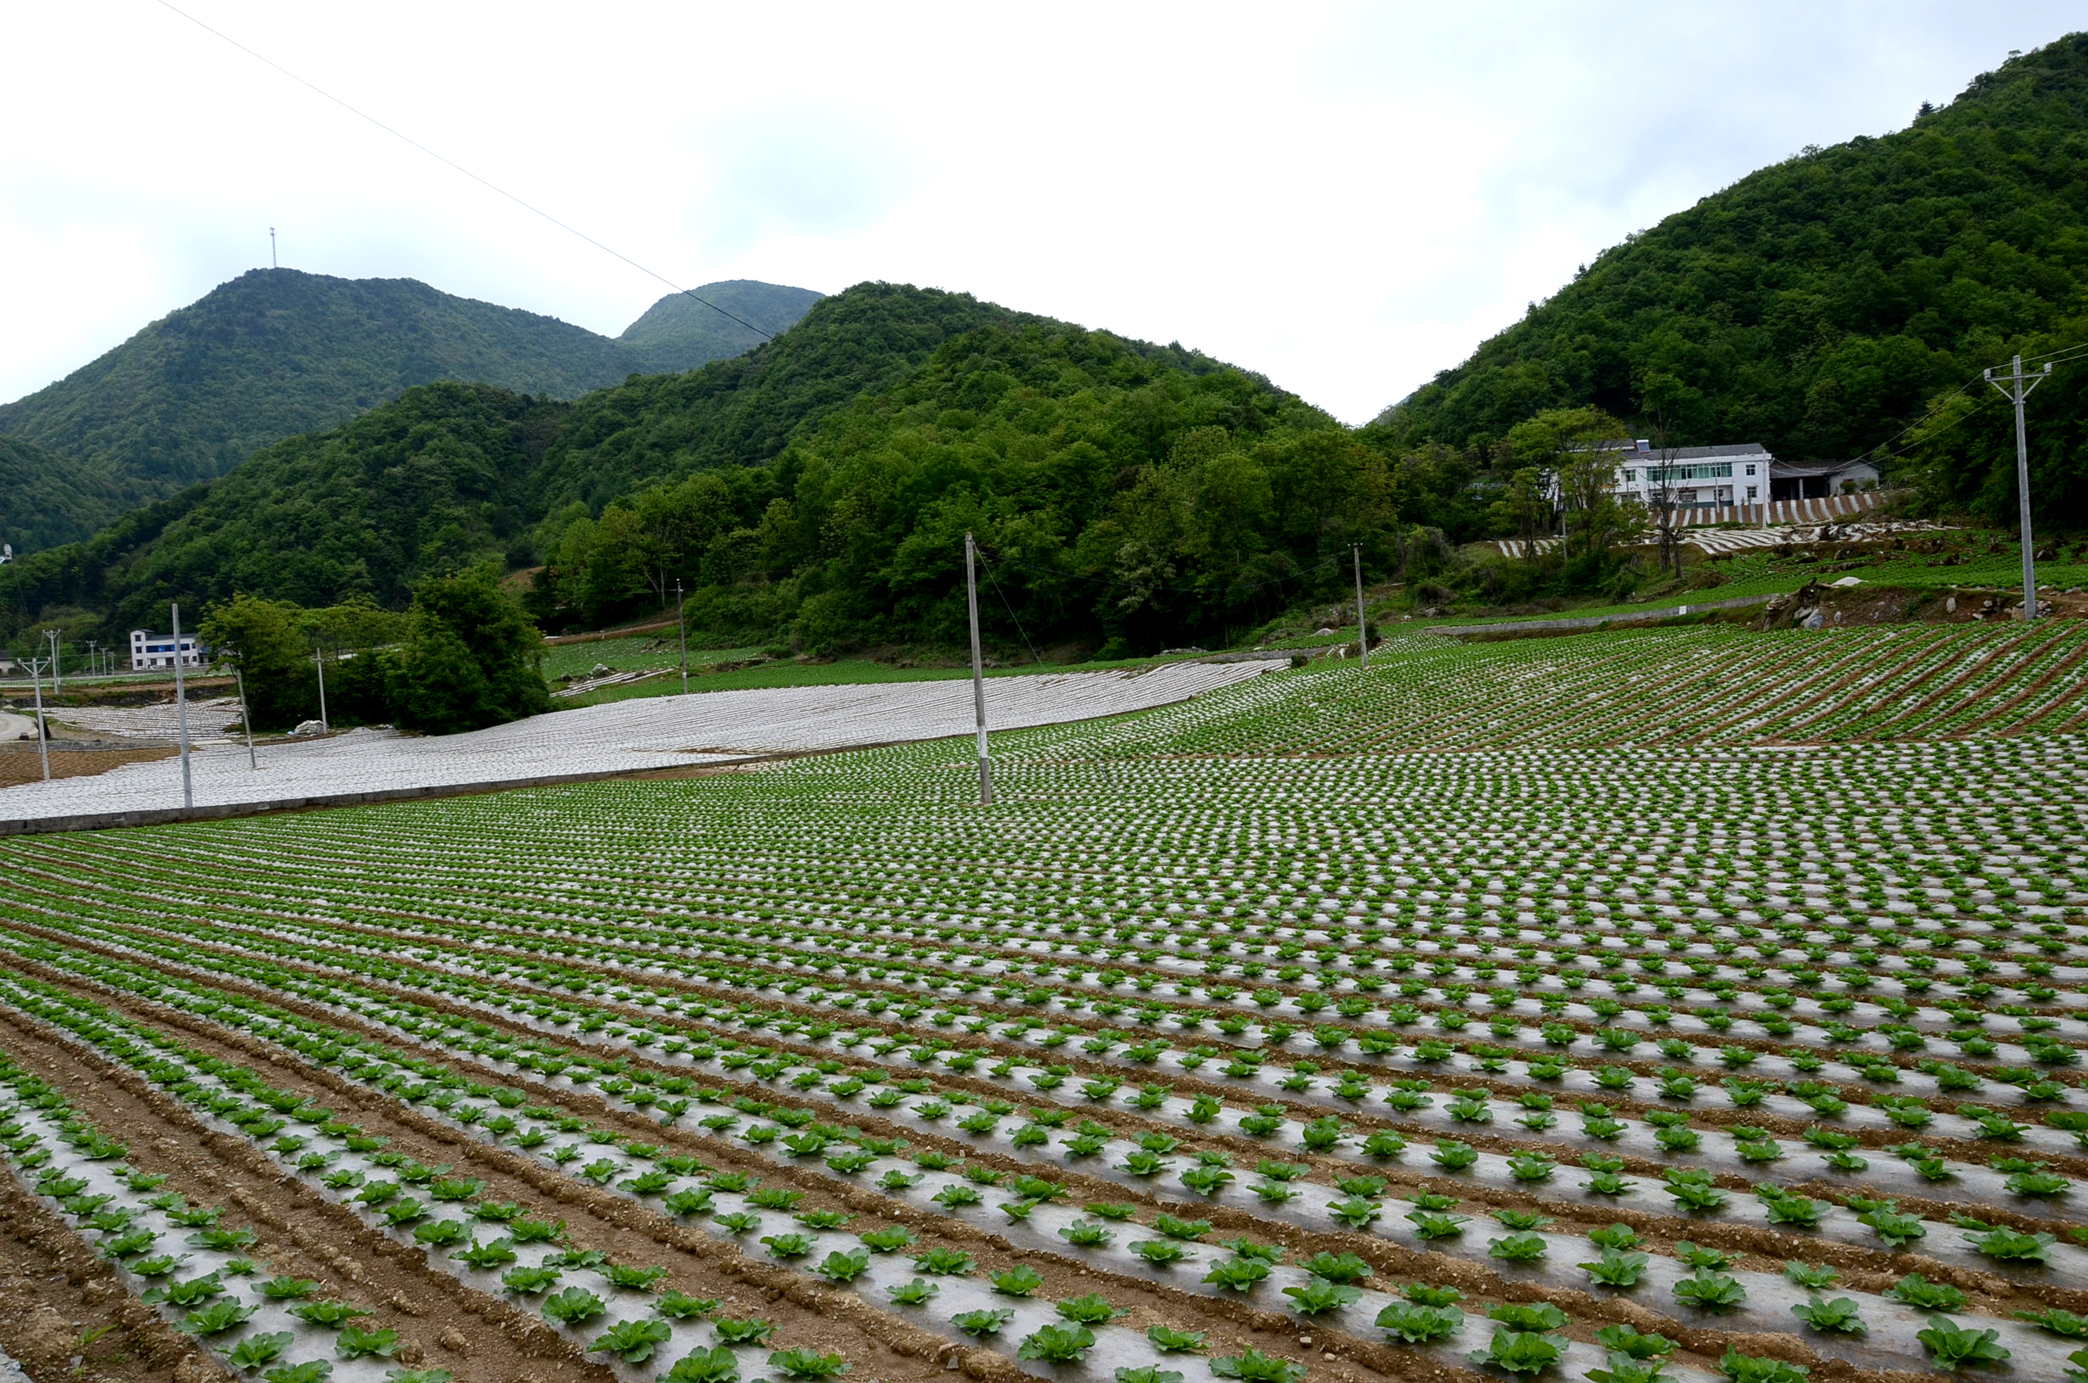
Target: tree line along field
{"points": [[1671, 1004]]}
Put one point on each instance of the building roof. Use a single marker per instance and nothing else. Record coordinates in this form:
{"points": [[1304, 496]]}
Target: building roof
{"points": [[1796, 470], [1722, 451]]}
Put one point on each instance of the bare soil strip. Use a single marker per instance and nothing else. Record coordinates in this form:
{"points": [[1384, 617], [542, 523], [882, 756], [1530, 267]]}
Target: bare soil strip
{"points": [[301, 1232]]}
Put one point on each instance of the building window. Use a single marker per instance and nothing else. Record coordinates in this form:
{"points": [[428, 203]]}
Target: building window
{"points": [[1750, 489], [1750, 470]]}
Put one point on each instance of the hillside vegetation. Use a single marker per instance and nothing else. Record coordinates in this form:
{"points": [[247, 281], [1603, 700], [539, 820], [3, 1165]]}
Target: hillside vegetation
{"points": [[47, 500], [816, 488], [680, 333], [277, 353], [1817, 305]]}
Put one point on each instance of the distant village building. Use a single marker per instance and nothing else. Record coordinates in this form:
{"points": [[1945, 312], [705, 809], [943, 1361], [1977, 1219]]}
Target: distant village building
{"points": [[150, 650], [1733, 475]]}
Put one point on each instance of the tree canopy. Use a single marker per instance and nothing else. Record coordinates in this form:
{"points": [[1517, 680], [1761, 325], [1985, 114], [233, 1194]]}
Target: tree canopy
{"points": [[1818, 305]]}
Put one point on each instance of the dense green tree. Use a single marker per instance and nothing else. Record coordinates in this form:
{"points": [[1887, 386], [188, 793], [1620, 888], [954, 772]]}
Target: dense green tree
{"points": [[262, 641], [471, 657]]}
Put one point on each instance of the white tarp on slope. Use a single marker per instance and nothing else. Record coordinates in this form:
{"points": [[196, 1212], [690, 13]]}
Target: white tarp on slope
{"points": [[654, 732]]}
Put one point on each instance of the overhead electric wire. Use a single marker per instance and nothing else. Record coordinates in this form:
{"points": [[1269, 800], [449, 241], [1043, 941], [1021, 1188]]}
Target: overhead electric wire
{"points": [[1034, 655], [460, 168], [2057, 357]]}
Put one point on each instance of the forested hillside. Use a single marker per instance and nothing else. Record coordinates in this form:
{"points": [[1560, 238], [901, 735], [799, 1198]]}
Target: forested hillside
{"points": [[816, 488], [1123, 492], [277, 353], [47, 500], [1818, 305]]}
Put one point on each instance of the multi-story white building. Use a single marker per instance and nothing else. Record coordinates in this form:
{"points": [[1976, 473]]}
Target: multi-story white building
{"points": [[1693, 477], [150, 650]]}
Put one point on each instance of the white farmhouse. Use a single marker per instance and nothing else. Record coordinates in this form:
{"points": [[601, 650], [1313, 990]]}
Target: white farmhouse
{"points": [[150, 650], [1695, 477]]}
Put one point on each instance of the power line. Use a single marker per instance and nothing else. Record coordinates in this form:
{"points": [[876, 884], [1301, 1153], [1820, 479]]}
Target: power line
{"points": [[1034, 655], [2057, 357], [460, 168]]}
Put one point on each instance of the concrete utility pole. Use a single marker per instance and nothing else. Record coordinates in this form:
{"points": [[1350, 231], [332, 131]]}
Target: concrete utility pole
{"points": [[93, 658], [319, 662], [43, 744], [52, 635], [681, 628], [2017, 386], [246, 719], [188, 784], [1362, 629], [971, 597]]}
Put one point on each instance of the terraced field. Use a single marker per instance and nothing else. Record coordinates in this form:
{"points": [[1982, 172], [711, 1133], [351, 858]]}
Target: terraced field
{"points": [[1657, 1005]]}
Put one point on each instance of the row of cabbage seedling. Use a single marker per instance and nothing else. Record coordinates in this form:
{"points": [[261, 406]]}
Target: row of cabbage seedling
{"points": [[1815, 1088], [1894, 1052], [1688, 1291], [1614, 688], [1923, 1163], [1525, 1339]]}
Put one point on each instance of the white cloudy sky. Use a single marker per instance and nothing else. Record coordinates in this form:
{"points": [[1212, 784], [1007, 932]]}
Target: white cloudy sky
{"points": [[1344, 197]]}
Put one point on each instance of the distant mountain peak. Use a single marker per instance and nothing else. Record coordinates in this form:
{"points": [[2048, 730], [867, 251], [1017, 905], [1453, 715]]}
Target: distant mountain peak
{"points": [[275, 353], [679, 332]]}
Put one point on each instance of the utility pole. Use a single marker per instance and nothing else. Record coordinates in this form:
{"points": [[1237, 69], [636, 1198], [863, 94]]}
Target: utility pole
{"points": [[319, 662], [93, 660], [681, 628], [52, 635], [1362, 628], [188, 784], [2017, 386], [271, 248], [246, 721], [43, 744], [971, 597]]}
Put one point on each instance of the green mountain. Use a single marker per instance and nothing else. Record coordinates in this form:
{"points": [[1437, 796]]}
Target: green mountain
{"points": [[46, 500], [679, 333], [816, 487], [277, 353], [745, 409], [1817, 305]]}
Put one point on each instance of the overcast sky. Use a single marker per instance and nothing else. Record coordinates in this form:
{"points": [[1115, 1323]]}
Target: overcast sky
{"points": [[1345, 198]]}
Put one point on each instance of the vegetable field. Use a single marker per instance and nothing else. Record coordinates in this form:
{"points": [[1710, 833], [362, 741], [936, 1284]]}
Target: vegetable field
{"points": [[1672, 1004]]}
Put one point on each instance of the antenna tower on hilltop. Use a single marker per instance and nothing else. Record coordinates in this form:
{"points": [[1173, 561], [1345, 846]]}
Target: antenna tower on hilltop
{"points": [[271, 249]]}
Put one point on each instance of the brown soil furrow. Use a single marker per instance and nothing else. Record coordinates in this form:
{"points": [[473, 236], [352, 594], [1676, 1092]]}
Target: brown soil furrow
{"points": [[69, 1316], [301, 1232], [1930, 703], [2052, 674], [603, 1219]]}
